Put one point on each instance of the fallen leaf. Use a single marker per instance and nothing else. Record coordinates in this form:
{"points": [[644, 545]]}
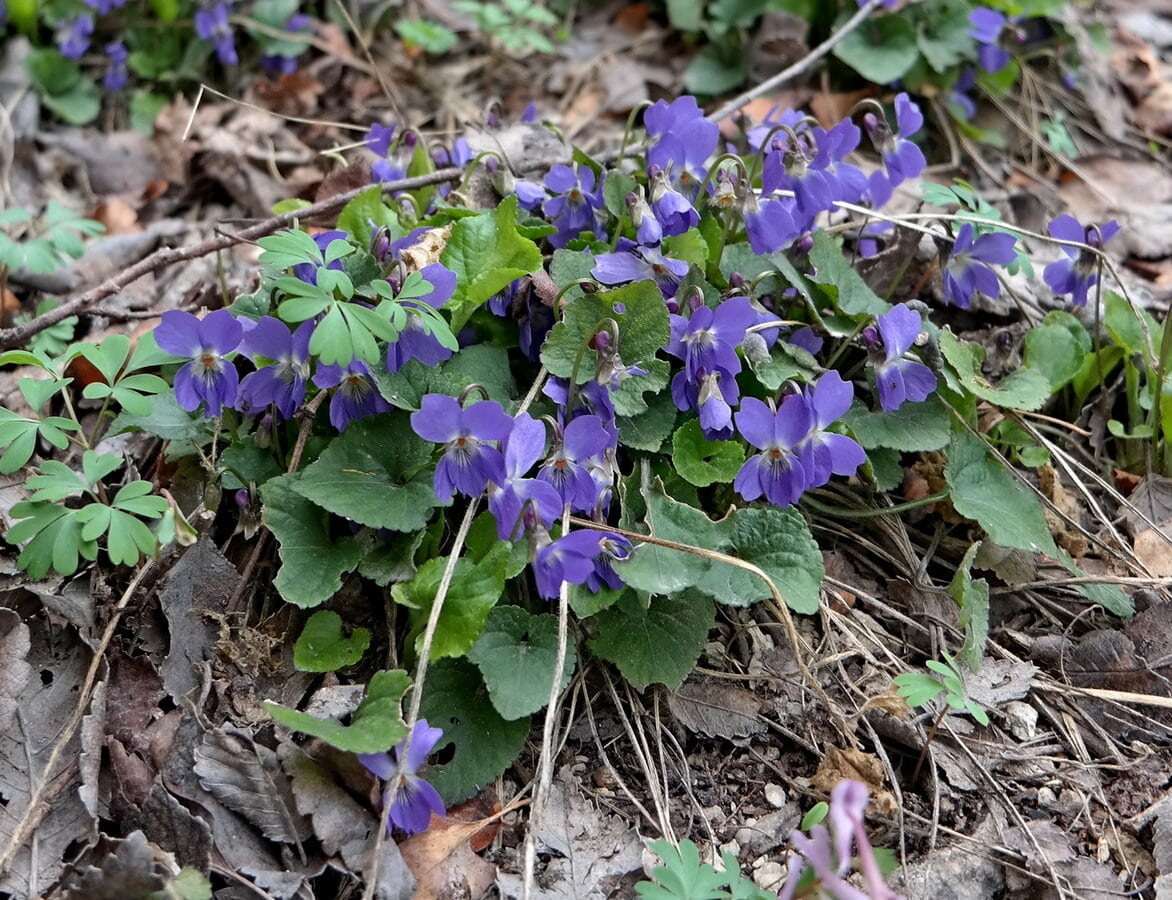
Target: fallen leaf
{"points": [[14, 668], [443, 862], [856, 765], [591, 850], [247, 778], [133, 869], [118, 216], [716, 709]]}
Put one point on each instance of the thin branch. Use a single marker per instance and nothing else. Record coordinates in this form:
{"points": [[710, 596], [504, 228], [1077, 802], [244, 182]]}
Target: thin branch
{"points": [[165, 256], [798, 68]]}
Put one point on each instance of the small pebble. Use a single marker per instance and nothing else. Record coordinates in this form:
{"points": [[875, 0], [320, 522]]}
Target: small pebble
{"points": [[769, 876], [775, 795], [1021, 720]]}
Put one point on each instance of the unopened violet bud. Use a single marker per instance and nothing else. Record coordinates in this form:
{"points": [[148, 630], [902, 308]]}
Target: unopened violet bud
{"points": [[804, 244], [242, 498], [654, 171], [410, 139], [380, 245], [602, 340], [395, 279], [492, 120], [263, 436], [755, 349], [736, 280], [695, 299], [673, 305], [870, 335]]}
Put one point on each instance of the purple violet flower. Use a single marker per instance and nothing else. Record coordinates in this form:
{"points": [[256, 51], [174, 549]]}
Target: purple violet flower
{"points": [[709, 339], [117, 76], [1078, 273], [104, 7], [776, 472], [611, 548], [968, 268], [958, 95], [409, 800], [712, 395], [356, 395], [571, 558], [283, 381], [798, 167], [632, 262], [73, 36], [469, 462], [567, 470], [213, 25], [672, 210], [589, 399], [898, 379], [378, 138], [824, 453], [574, 208], [521, 450], [413, 342], [769, 224], [208, 377], [902, 158], [987, 27], [648, 231]]}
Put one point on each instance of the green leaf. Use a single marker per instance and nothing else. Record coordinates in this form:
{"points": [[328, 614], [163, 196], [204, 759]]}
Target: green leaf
{"points": [[984, 491], [312, 565], [1024, 389], [324, 646], [431, 37], [649, 429], [384, 562], [516, 655], [685, 15], [614, 193], [943, 37], [784, 361], [682, 876], [366, 213], [917, 688], [716, 69], [662, 570], [643, 323], [54, 538], [656, 644], [835, 274], [487, 254], [1054, 351], [375, 726], [912, 427], [286, 249], [167, 419], [62, 86], [145, 107], [474, 591], [377, 473], [484, 745], [778, 542], [703, 462], [972, 596], [882, 51], [1133, 330]]}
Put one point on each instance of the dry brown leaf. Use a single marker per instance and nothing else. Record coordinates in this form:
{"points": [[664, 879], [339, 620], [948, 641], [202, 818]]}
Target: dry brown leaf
{"points": [[858, 766], [443, 862], [14, 669], [1154, 114], [118, 216], [716, 709], [1154, 549]]}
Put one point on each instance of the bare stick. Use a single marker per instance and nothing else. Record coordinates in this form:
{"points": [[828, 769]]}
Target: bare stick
{"points": [[799, 67], [165, 256]]}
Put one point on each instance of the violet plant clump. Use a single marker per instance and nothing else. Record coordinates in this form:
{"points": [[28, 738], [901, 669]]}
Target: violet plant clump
{"points": [[599, 390]]}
